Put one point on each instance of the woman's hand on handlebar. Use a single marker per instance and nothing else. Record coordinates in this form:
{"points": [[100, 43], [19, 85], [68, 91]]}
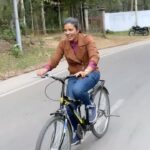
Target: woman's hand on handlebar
{"points": [[41, 72], [81, 74]]}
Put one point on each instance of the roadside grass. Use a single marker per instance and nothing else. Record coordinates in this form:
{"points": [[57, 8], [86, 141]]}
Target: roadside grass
{"points": [[30, 60], [111, 33]]}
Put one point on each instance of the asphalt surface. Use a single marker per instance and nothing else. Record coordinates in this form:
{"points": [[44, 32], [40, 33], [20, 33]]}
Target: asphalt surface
{"points": [[24, 107]]}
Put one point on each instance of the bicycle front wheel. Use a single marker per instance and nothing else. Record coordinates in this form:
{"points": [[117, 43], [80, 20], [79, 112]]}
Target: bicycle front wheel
{"points": [[101, 100], [55, 135], [131, 33]]}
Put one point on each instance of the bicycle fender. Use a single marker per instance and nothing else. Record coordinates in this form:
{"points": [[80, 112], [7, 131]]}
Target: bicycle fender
{"points": [[57, 113], [104, 88]]}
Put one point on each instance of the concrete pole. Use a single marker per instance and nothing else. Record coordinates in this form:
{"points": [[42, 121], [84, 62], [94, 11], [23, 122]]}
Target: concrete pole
{"points": [[18, 34], [136, 9], [86, 19], [103, 21]]}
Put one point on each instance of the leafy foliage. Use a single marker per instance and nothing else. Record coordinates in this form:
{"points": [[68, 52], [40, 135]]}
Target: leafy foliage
{"points": [[15, 50], [7, 34], [57, 10]]}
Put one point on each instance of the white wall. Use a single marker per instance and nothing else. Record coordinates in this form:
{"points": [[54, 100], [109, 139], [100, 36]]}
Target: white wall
{"points": [[122, 21]]}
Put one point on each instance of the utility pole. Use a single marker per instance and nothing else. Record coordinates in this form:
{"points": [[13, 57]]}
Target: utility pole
{"points": [[18, 34], [136, 9], [102, 9], [86, 18]]}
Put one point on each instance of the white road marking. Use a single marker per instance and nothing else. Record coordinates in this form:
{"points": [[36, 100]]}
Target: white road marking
{"points": [[30, 84], [117, 105]]}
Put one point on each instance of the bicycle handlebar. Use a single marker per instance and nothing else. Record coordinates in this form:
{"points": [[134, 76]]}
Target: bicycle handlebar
{"points": [[61, 79]]}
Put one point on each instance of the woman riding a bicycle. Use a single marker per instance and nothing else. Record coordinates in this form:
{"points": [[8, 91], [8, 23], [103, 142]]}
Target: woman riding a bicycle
{"points": [[82, 56]]}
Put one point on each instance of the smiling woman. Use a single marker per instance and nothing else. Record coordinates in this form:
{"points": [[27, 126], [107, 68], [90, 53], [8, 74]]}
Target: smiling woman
{"points": [[78, 48], [71, 29]]}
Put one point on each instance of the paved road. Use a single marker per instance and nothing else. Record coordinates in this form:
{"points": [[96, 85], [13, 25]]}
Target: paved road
{"points": [[22, 113], [128, 80]]}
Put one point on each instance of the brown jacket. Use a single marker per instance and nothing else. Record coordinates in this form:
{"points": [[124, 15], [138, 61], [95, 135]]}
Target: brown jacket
{"points": [[86, 51]]}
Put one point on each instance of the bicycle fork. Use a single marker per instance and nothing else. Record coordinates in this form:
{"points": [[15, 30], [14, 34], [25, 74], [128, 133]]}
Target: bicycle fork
{"points": [[63, 133]]}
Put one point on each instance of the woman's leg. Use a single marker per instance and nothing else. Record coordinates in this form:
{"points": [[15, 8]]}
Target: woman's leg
{"points": [[71, 83], [77, 89], [83, 85], [80, 92]]}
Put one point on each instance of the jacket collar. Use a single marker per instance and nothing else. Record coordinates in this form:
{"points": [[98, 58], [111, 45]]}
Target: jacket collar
{"points": [[80, 39]]}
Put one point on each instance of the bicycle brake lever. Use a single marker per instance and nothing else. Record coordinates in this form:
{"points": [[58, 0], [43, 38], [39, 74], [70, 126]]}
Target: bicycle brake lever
{"points": [[45, 75]]}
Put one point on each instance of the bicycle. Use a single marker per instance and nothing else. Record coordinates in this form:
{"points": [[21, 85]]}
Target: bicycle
{"points": [[57, 133]]}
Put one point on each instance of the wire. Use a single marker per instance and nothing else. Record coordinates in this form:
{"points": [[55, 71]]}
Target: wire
{"points": [[46, 91]]}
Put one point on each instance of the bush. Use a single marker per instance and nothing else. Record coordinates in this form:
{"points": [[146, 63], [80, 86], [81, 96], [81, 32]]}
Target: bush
{"points": [[16, 51], [7, 34], [22, 28], [109, 32]]}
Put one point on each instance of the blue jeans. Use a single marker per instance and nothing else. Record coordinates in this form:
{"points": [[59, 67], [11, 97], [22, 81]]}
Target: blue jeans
{"points": [[78, 88]]}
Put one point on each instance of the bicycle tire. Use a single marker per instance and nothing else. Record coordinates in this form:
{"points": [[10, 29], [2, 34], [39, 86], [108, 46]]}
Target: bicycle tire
{"points": [[131, 33], [55, 138], [146, 32], [101, 99]]}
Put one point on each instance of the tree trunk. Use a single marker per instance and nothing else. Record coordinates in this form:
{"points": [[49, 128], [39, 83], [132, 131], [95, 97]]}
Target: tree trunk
{"points": [[23, 12], [59, 16], [132, 2], [32, 22], [23, 18], [43, 17]]}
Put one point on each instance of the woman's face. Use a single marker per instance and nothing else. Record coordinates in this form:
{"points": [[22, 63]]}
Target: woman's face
{"points": [[70, 32]]}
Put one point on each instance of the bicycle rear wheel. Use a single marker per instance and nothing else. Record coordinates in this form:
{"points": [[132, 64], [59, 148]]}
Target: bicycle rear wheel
{"points": [[146, 32], [54, 136], [101, 100]]}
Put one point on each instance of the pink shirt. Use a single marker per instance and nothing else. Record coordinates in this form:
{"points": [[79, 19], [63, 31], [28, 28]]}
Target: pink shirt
{"points": [[74, 46]]}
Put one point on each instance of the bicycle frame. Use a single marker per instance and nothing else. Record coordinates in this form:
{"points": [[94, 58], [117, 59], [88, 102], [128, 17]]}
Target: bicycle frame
{"points": [[65, 101]]}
